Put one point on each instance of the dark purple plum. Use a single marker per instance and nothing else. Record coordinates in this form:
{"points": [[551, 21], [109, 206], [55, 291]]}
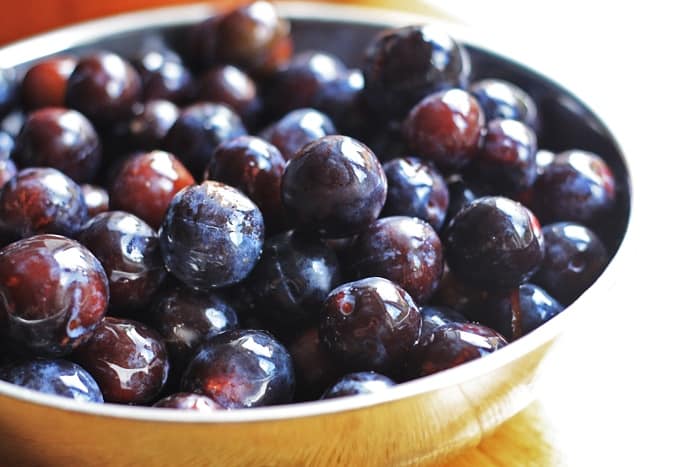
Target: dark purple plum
{"points": [[577, 186], [436, 316], [354, 384], [404, 65], [341, 99], [127, 359], [60, 138], [230, 86], [41, 200], [405, 250], [296, 129], [129, 251], [416, 189], [445, 127], [57, 377], [292, 279], [494, 242], [198, 130], [243, 368], [188, 401], [314, 367], [370, 324], [334, 186], [574, 258], [44, 84], [164, 76], [502, 99], [150, 124], [53, 294], [212, 235], [96, 199]]}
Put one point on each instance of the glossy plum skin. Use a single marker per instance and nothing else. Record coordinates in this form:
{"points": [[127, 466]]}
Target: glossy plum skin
{"points": [[228, 85], [146, 183], [314, 367], [513, 313], [452, 344], [405, 250], [507, 160], [129, 252], [185, 319], [404, 65], [212, 236], [148, 127], [335, 186], [574, 258], [296, 129], [577, 186], [198, 130], [103, 87], [436, 316], [96, 199], [494, 242], [44, 84], [461, 193], [292, 279], [353, 384], [243, 368], [127, 359], [342, 100], [255, 167], [58, 377], [446, 127], [60, 138], [370, 324], [188, 401], [502, 99], [41, 200], [8, 169], [416, 189], [254, 37], [8, 91], [164, 76], [300, 82], [53, 294]]}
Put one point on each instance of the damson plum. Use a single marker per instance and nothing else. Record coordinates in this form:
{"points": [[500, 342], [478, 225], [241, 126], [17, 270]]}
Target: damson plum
{"points": [[300, 82], [452, 344], [41, 200], [292, 279], [370, 324], [243, 368], [461, 193], [185, 319], [405, 250], [366, 382], [501, 99], [128, 360], [60, 138], [436, 316], [314, 366], [341, 99], [58, 377], [129, 252], [103, 87], [334, 186], [96, 199], [212, 235], [230, 86], [514, 313], [296, 129], [198, 130], [44, 84], [446, 127], [150, 124], [188, 401], [146, 183], [255, 167], [507, 158], [574, 258], [53, 294], [494, 242], [164, 76], [404, 65], [254, 37], [576, 186], [416, 189]]}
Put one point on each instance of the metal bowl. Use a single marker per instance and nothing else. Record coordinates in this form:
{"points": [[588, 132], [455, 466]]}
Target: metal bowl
{"points": [[423, 420]]}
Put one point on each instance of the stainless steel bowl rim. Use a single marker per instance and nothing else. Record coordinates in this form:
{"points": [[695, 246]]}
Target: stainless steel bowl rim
{"points": [[83, 33]]}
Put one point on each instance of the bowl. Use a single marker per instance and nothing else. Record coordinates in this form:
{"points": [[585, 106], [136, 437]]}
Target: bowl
{"points": [[421, 421]]}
